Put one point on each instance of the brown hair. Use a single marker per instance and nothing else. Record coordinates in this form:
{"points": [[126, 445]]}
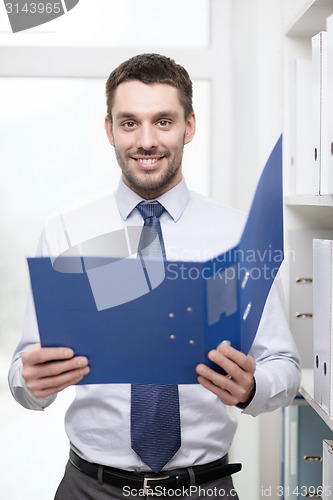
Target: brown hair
{"points": [[151, 68]]}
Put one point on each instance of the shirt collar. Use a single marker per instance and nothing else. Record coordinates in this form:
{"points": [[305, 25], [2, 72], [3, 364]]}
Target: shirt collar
{"points": [[174, 200]]}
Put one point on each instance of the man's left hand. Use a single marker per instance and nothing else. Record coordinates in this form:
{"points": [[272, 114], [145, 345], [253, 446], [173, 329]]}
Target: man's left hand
{"points": [[237, 386]]}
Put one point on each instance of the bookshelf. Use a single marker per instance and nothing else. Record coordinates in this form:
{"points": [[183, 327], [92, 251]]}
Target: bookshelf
{"points": [[307, 216], [305, 212], [306, 390], [310, 200], [306, 18]]}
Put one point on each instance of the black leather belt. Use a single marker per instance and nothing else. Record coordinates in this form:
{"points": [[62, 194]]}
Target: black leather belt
{"points": [[173, 479]]}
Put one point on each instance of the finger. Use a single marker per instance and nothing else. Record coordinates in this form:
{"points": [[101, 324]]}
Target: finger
{"points": [[235, 355], [48, 386], [225, 396], [53, 368], [229, 390], [243, 378], [219, 380], [37, 355], [229, 366], [232, 361]]}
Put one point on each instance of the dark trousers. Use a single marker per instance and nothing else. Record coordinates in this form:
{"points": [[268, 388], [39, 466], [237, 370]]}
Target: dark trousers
{"points": [[76, 485]]}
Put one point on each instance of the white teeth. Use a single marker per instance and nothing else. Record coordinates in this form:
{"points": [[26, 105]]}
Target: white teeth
{"points": [[148, 161]]}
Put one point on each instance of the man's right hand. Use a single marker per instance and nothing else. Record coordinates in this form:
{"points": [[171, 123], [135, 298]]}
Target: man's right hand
{"points": [[49, 370]]}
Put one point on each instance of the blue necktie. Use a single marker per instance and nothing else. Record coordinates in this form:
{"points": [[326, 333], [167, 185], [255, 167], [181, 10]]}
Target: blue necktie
{"points": [[155, 421]]}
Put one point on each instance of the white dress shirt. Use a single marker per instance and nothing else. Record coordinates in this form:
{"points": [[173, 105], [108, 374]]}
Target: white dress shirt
{"points": [[98, 421]]}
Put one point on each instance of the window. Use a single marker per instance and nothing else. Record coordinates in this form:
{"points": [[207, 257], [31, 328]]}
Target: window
{"points": [[121, 23]]}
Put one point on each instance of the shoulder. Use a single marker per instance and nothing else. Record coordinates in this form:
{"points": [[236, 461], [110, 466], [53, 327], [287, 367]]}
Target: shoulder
{"points": [[91, 202], [89, 205], [215, 209], [81, 220]]}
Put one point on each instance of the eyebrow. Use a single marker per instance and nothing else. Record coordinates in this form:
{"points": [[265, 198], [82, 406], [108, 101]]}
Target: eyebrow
{"points": [[124, 115]]}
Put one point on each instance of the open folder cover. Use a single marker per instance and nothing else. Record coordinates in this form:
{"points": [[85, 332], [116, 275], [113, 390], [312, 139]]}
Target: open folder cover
{"points": [[168, 324]]}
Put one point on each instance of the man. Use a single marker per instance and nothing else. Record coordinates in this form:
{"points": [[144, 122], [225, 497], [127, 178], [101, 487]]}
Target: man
{"points": [[149, 120]]}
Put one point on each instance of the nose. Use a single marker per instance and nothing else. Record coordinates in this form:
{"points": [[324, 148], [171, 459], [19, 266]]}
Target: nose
{"points": [[147, 137]]}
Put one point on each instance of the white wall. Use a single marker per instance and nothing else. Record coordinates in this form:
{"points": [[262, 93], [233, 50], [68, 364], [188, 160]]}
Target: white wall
{"points": [[257, 90]]}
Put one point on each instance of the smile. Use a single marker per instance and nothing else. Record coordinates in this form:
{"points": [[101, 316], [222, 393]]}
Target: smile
{"points": [[148, 161]]}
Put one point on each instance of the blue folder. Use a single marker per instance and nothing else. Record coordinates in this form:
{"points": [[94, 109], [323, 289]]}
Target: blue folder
{"points": [[170, 323]]}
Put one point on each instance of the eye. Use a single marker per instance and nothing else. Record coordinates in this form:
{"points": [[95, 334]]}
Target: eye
{"points": [[128, 124], [164, 123]]}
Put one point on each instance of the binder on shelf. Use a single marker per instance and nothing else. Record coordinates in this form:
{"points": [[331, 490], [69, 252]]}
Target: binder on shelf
{"points": [[323, 323], [320, 113], [301, 166], [328, 174], [301, 289], [303, 449], [327, 487], [103, 308]]}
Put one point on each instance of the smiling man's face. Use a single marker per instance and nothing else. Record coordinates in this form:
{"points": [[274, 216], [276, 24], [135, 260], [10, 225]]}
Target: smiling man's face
{"points": [[148, 131]]}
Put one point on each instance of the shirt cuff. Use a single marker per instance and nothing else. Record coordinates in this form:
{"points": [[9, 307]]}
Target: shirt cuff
{"points": [[242, 406], [262, 394], [22, 394]]}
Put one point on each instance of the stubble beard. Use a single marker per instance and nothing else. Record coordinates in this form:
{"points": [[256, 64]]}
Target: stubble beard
{"points": [[150, 183]]}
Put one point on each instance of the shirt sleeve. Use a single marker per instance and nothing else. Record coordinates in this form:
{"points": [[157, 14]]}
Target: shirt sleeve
{"points": [[30, 336], [278, 374]]}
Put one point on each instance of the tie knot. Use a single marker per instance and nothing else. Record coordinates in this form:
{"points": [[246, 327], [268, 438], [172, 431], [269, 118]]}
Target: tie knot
{"points": [[154, 209]]}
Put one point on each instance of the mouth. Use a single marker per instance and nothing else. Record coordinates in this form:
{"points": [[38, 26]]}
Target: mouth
{"points": [[148, 162]]}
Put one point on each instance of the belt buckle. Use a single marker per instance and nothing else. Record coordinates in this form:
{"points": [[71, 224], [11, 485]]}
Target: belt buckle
{"points": [[147, 489]]}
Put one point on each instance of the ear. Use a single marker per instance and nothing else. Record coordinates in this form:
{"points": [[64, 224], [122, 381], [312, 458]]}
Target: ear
{"points": [[108, 130], [190, 128]]}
